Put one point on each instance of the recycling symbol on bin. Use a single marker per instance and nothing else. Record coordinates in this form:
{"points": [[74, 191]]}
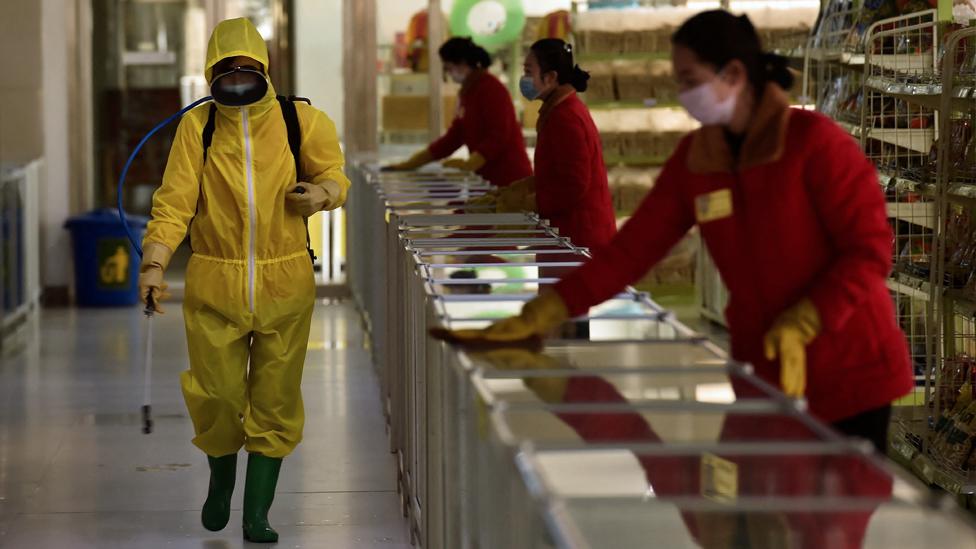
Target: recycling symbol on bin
{"points": [[113, 263]]}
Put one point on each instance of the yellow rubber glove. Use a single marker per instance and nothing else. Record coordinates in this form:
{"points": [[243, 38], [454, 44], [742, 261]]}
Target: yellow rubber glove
{"points": [[472, 164], [155, 259], [787, 340], [551, 389], [517, 197], [417, 160], [315, 198], [483, 203], [538, 317]]}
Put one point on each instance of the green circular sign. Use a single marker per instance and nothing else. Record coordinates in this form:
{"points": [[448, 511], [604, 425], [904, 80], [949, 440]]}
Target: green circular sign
{"points": [[490, 23]]}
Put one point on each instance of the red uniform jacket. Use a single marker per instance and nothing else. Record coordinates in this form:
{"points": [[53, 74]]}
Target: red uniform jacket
{"points": [[570, 177], [486, 123], [801, 215]]}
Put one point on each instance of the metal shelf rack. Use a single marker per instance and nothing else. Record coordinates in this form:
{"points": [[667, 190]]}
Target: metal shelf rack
{"points": [[905, 88]]}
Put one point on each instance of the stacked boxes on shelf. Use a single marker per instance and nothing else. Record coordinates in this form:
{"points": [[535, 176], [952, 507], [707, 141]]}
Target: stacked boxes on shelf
{"points": [[644, 137]]}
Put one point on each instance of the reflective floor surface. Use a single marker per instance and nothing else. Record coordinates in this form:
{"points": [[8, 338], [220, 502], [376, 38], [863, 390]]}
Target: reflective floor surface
{"points": [[76, 471]]}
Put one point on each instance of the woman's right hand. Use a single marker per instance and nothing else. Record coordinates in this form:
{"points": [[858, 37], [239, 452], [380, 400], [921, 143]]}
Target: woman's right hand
{"points": [[152, 289], [538, 318], [417, 160]]}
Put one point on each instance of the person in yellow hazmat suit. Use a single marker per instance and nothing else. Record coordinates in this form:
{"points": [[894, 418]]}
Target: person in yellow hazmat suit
{"points": [[250, 286]]}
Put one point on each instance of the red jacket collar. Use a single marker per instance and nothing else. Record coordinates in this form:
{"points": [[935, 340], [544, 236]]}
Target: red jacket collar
{"points": [[471, 81], [560, 94], [764, 143]]}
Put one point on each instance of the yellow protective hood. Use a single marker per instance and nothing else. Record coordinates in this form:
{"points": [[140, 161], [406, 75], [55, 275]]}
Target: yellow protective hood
{"points": [[233, 37]]}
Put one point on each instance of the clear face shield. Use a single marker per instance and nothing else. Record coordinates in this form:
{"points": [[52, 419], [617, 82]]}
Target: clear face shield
{"points": [[239, 87]]}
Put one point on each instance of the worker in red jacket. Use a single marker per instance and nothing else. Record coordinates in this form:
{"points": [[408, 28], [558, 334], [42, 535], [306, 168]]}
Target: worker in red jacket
{"points": [[791, 212], [569, 187], [485, 121]]}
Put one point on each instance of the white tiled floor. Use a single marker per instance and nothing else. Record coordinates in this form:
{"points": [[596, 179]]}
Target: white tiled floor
{"points": [[75, 470]]}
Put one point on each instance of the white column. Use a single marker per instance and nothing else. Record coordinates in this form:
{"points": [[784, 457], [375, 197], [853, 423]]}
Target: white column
{"points": [[57, 180], [436, 34], [359, 71], [318, 55]]}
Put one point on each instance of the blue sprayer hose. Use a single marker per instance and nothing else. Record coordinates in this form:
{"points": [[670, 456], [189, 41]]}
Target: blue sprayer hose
{"points": [[125, 170]]}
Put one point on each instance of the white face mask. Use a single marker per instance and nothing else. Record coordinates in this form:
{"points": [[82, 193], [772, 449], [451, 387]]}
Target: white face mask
{"points": [[457, 76], [703, 104]]}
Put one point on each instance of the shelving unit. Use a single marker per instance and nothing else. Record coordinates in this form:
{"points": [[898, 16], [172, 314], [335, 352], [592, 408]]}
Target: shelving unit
{"points": [[869, 91], [20, 288], [904, 89]]}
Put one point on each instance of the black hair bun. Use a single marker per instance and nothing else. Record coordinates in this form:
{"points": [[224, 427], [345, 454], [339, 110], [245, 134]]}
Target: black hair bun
{"points": [[777, 70], [579, 79]]}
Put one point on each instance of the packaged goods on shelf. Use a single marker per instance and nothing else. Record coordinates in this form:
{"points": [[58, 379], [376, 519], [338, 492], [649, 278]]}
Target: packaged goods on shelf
{"points": [[629, 186], [410, 112], [663, 87], [627, 53], [644, 133], [611, 143], [530, 32], [915, 256], [955, 387], [636, 31], [954, 438], [964, 11], [637, 143], [633, 79], [599, 41], [600, 87], [842, 99], [647, 30], [962, 150], [676, 269], [960, 248]]}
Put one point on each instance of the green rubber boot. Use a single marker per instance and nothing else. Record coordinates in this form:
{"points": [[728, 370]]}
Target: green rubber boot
{"points": [[216, 510], [259, 491]]}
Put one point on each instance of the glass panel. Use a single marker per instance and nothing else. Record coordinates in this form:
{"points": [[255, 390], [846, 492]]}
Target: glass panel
{"points": [[892, 525], [586, 330], [493, 310], [463, 285], [636, 425], [416, 240], [509, 377], [633, 354]]}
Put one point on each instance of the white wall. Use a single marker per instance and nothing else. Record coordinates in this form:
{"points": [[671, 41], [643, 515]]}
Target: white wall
{"points": [[318, 55]]}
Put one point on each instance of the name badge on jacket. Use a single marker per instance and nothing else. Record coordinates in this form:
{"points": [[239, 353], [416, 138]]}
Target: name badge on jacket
{"points": [[713, 206]]}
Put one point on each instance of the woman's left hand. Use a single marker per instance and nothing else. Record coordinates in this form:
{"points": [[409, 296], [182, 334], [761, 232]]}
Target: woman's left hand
{"points": [[472, 164], [306, 199], [787, 340]]}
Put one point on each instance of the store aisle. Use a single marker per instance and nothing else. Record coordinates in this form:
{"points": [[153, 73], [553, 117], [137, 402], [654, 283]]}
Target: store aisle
{"points": [[75, 470]]}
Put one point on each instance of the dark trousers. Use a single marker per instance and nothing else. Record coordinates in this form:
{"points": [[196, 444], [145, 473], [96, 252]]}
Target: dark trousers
{"points": [[871, 426]]}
